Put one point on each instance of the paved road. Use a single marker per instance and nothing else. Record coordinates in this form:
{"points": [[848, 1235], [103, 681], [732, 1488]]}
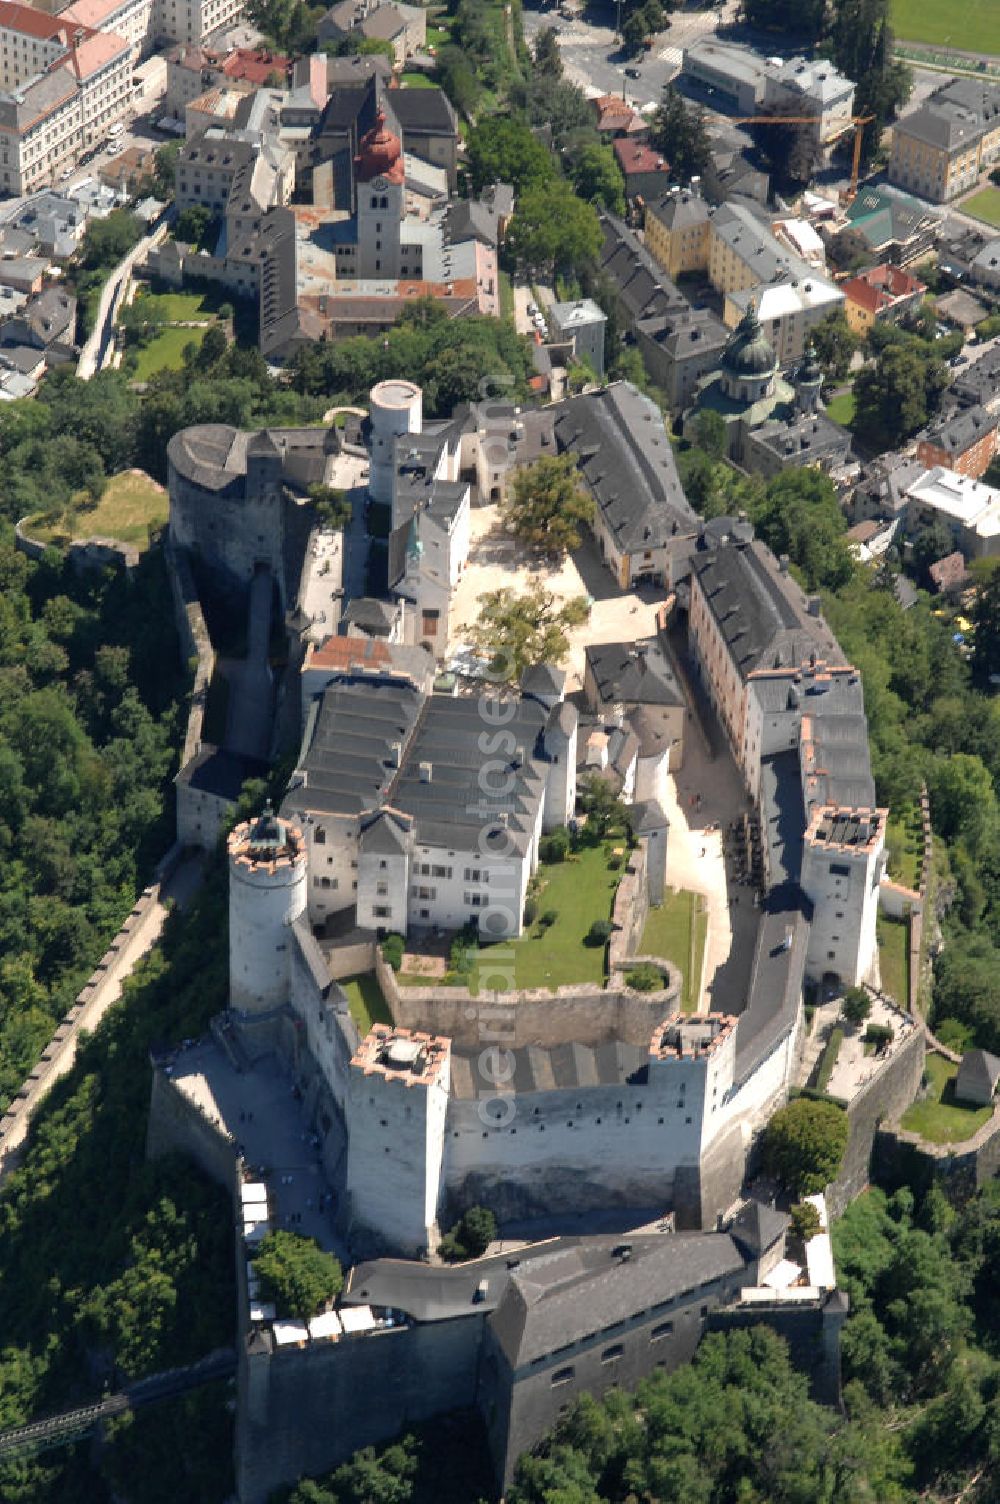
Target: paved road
{"points": [[251, 683], [97, 352], [593, 59]]}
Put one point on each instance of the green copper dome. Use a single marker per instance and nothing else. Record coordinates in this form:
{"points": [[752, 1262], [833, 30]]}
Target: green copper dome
{"points": [[749, 353]]}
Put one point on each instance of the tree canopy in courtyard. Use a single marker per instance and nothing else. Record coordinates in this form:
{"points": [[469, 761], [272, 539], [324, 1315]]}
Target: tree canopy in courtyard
{"points": [[547, 506], [517, 630]]}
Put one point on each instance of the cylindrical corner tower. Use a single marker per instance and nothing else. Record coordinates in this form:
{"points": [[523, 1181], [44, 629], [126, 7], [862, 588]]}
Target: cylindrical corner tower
{"points": [[397, 407], [267, 891]]}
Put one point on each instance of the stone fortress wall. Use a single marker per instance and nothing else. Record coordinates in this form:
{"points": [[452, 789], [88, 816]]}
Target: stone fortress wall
{"points": [[102, 988], [882, 1099]]}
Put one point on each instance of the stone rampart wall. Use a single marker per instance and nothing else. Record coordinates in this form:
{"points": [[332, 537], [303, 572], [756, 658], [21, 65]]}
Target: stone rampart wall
{"points": [[581, 1014], [882, 1100], [960, 1169], [88, 1007], [195, 643]]}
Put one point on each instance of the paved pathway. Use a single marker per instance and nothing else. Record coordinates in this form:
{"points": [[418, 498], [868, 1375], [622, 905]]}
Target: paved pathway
{"points": [[100, 347]]}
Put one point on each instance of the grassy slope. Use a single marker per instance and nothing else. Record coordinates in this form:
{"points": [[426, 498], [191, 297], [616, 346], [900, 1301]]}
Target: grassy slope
{"points": [[130, 504]]}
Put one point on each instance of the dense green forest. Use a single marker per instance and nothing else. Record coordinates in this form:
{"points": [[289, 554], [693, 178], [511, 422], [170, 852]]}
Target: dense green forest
{"points": [[91, 696], [113, 1267]]}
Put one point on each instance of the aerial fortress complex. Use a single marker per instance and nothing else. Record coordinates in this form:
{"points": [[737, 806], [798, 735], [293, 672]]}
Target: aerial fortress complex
{"points": [[567, 1111]]}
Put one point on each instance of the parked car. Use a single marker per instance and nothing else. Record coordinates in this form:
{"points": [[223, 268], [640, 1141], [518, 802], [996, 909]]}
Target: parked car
{"points": [[633, 73]]}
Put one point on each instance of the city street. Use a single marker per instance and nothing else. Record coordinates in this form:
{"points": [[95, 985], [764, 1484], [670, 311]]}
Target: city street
{"points": [[594, 61]]}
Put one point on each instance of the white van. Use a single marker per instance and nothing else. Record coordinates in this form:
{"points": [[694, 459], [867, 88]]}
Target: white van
{"points": [[116, 131]]}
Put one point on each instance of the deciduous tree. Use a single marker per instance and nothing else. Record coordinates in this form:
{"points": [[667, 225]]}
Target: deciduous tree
{"points": [[804, 1144], [518, 630], [547, 506]]}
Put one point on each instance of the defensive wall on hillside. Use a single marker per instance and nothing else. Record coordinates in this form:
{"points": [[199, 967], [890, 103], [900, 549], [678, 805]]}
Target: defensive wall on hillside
{"points": [[195, 644], [959, 1169], [102, 988], [883, 1099]]}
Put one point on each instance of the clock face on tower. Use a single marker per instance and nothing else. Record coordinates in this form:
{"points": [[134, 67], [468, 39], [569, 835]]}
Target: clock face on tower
{"points": [[380, 182]]}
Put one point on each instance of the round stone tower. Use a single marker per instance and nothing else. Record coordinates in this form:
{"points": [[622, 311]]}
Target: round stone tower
{"points": [[397, 408], [267, 891]]}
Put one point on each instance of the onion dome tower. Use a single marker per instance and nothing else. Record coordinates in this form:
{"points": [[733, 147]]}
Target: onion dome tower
{"points": [[749, 364]]}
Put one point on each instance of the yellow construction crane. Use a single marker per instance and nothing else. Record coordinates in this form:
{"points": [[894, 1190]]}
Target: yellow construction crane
{"points": [[858, 123]]}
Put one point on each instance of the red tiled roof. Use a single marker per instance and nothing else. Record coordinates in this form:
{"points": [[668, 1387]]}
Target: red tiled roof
{"points": [[31, 22], [255, 67], [881, 286], [634, 156]]}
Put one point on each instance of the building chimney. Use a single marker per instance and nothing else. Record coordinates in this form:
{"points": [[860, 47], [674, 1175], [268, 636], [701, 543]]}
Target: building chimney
{"points": [[395, 754], [426, 772]]}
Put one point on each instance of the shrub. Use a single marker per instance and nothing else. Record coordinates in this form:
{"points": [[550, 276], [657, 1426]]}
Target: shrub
{"points": [[462, 955], [471, 1235], [549, 918], [829, 1059], [392, 950], [805, 1221], [954, 1035], [530, 911], [554, 846], [599, 932], [645, 977], [878, 1034]]}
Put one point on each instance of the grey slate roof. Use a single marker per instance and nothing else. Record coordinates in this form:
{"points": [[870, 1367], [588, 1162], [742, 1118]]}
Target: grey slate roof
{"points": [[758, 1227], [213, 770], [961, 430], [633, 673], [424, 111], [646, 815], [386, 834], [372, 616], [350, 765], [760, 612], [349, 761], [802, 440], [639, 282], [627, 462], [579, 1288], [427, 1293], [543, 679], [687, 333], [679, 211], [980, 381], [979, 1071]]}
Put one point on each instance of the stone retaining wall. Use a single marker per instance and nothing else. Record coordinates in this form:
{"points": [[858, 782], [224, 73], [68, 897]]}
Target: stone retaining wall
{"points": [[196, 644], [582, 1014], [60, 1052], [960, 1169], [883, 1099]]}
